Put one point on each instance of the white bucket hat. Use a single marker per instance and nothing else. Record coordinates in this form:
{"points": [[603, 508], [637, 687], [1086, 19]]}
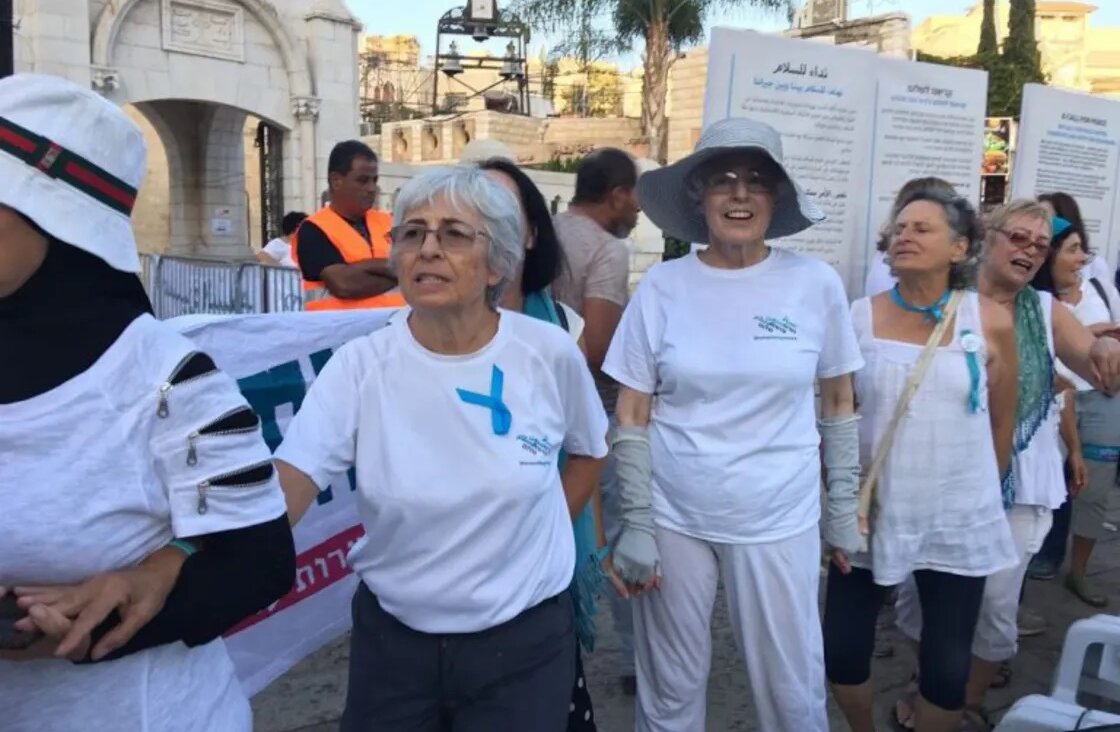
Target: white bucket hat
{"points": [[71, 162], [666, 197]]}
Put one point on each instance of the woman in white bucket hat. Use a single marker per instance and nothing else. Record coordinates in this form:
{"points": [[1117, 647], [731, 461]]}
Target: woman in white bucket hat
{"points": [[719, 447], [141, 517]]}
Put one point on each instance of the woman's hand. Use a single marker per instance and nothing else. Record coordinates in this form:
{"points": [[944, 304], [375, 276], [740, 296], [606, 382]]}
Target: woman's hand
{"points": [[54, 626], [1078, 475], [1104, 355], [840, 559], [627, 590], [136, 594]]}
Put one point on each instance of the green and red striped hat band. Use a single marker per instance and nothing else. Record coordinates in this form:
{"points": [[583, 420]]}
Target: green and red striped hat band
{"points": [[66, 166]]}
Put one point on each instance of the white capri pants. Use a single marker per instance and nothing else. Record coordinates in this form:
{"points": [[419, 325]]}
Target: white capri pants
{"points": [[997, 631], [772, 592]]}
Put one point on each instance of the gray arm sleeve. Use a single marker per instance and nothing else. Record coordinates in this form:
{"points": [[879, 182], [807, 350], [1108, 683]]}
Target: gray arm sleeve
{"points": [[635, 554], [840, 450]]}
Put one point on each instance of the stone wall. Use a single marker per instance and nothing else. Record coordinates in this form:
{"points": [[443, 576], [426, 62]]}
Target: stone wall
{"points": [[687, 83]]}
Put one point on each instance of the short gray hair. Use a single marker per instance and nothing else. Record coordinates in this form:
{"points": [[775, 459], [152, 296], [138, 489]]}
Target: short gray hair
{"points": [[467, 187], [965, 224]]}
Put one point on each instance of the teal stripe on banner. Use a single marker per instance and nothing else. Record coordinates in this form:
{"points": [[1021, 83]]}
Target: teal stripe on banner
{"points": [[1101, 453]]}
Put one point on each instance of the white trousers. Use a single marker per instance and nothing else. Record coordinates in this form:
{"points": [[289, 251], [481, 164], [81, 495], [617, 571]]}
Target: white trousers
{"points": [[772, 594], [997, 630]]}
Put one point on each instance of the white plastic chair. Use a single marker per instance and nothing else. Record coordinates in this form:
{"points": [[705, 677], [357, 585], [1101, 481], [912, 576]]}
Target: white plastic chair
{"points": [[1090, 664]]}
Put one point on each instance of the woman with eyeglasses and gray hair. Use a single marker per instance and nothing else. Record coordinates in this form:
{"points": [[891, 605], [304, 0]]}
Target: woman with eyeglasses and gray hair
{"points": [[454, 418], [1017, 246], [937, 408], [719, 447]]}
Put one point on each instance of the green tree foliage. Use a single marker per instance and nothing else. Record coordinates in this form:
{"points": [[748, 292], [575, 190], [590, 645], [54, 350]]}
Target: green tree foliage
{"points": [[1019, 64], [988, 41]]}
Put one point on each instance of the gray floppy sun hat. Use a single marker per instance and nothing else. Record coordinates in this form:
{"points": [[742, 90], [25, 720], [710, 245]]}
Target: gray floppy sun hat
{"points": [[666, 194]]}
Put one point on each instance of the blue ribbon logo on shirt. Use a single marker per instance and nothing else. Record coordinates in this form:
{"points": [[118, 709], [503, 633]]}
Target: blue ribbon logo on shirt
{"points": [[500, 417]]}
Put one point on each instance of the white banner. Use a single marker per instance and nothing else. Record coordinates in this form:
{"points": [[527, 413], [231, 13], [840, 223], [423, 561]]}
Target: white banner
{"points": [[1070, 142], [275, 358], [855, 127]]}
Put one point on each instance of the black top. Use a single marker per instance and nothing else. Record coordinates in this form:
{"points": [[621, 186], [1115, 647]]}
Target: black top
{"points": [[315, 252]]}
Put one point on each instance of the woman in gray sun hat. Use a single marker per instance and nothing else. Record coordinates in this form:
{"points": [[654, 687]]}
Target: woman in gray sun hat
{"points": [[721, 472]]}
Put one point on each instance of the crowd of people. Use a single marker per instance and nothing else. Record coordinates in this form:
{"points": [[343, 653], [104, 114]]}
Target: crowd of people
{"points": [[554, 441]]}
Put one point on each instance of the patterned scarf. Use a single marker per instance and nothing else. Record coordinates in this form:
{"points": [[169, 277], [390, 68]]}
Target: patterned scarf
{"points": [[1036, 378], [588, 582]]}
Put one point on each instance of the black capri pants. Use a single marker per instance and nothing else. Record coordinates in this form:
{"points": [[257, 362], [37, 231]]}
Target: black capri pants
{"points": [[515, 676], [950, 609]]}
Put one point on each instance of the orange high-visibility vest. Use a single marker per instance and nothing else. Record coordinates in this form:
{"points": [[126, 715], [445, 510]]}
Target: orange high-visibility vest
{"points": [[353, 249]]}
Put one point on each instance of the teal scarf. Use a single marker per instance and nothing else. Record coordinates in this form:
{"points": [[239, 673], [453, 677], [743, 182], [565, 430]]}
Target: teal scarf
{"points": [[589, 578], [1036, 377]]}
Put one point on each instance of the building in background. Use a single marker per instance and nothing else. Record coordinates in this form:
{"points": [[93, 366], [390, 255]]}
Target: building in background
{"points": [[240, 102], [1075, 54]]}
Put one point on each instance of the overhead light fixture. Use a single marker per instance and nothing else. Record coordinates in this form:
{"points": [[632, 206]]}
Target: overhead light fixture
{"points": [[452, 63]]}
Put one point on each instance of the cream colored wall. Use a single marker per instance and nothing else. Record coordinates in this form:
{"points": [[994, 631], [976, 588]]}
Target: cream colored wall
{"points": [[687, 82], [151, 220]]}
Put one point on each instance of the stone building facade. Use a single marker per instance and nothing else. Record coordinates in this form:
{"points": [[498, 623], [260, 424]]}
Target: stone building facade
{"points": [[200, 77]]}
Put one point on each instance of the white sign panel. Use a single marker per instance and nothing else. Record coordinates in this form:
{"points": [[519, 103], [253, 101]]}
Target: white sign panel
{"points": [[855, 127], [1068, 142]]}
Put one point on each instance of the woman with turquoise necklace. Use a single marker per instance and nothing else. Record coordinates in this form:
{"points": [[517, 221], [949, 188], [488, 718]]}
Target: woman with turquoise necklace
{"points": [[938, 514], [530, 294], [1017, 245]]}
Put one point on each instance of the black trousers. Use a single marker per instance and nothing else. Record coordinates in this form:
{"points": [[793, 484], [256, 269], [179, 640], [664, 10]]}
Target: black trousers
{"points": [[950, 609], [516, 676]]}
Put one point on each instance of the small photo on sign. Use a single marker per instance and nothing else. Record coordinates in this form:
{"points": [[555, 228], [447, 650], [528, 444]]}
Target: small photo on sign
{"points": [[997, 146]]}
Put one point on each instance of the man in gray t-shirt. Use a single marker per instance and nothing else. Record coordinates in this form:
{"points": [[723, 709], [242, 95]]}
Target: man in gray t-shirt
{"points": [[596, 284], [592, 234]]}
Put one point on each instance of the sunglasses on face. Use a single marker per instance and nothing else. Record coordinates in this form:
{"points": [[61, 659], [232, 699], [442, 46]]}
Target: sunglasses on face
{"points": [[727, 181], [451, 236], [1022, 240]]}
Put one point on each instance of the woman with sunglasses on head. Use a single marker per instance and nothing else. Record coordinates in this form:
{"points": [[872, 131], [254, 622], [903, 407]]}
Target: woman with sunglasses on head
{"points": [[1016, 247], [454, 418], [719, 448], [937, 513]]}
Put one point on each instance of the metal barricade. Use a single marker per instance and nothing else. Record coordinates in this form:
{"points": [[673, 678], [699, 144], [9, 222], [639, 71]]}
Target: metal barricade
{"points": [[193, 285]]}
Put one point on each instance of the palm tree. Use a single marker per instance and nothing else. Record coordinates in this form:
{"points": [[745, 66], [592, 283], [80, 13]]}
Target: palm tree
{"points": [[663, 25]]}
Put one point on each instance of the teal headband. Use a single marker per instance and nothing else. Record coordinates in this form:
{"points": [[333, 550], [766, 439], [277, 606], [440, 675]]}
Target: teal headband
{"points": [[1059, 226]]}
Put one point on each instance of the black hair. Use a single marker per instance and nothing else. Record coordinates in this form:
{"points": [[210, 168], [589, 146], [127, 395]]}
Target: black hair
{"points": [[602, 171], [1044, 279], [1066, 206], [964, 222], [343, 155], [545, 261], [291, 222]]}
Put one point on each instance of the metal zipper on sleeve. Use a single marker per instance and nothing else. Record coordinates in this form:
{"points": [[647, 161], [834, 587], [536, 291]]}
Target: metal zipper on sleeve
{"points": [[218, 428], [251, 476], [182, 375]]}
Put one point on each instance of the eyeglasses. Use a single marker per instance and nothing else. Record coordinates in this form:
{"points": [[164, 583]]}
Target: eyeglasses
{"points": [[727, 181], [1022, 240], [451, 236]]}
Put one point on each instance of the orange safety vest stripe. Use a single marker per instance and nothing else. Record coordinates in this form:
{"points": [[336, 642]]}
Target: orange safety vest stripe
{"points": [[353, 248]]}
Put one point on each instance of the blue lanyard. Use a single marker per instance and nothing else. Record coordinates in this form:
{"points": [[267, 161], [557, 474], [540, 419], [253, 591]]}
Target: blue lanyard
{"points": [[933, 312]]}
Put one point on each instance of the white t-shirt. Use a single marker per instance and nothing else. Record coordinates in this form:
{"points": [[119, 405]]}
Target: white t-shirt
{"points": [[95, 481], [879, 277], [1090, 310], [281, 251], [465, 528], [731, 357]]}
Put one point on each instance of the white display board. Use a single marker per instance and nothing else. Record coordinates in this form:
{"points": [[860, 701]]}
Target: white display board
{"points": [[1068, 142], [855, 127]]}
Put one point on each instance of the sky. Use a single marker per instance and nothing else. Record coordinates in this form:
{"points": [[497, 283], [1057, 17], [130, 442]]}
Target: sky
{"points": [[418, 17]]}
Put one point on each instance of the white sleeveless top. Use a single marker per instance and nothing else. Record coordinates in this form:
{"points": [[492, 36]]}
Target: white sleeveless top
{"points": [[938, 501], [1039, 480]]}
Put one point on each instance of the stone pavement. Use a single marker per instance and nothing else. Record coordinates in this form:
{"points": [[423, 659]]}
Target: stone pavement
{"points": [[310, 697]]}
